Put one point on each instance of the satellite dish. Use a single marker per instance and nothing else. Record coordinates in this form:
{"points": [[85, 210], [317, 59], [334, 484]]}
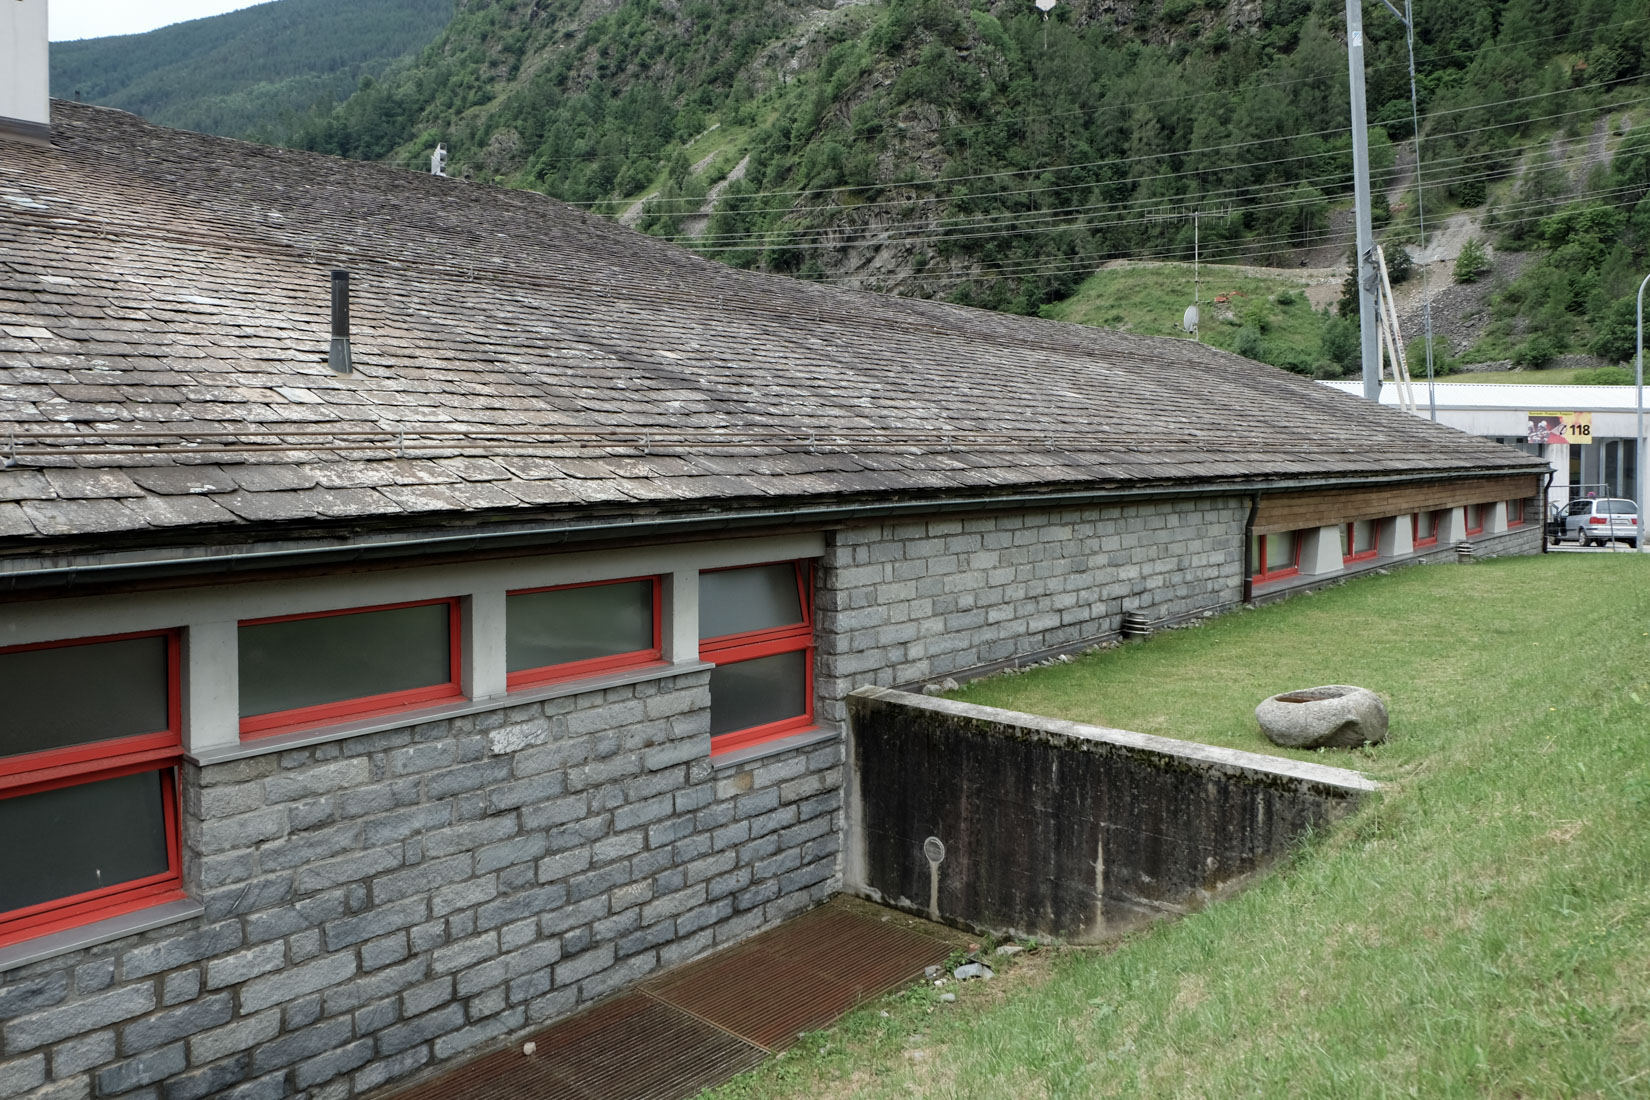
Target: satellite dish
{"points": [[1046, 6], [1188, 320]]}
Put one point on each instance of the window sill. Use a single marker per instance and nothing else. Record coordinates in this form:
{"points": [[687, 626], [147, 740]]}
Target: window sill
{"points": [[220, 754], [801, 739], [90, 935]]}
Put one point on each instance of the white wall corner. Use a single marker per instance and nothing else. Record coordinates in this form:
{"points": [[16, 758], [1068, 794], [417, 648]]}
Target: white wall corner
{"points": [[25, 88], [1321, 553], [1452, 526], [211, 686], [1397, 537], [485, 665], [680, 600]]}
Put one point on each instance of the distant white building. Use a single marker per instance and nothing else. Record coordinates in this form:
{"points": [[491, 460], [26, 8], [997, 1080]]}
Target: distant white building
{"points": [[1600, 460]]}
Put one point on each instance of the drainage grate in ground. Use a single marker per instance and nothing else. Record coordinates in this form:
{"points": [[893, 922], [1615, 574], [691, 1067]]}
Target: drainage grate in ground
{"points": [[699, 1024]]}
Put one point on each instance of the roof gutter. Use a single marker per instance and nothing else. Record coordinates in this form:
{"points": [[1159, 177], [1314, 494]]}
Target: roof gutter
{"points": [[19, 576]]}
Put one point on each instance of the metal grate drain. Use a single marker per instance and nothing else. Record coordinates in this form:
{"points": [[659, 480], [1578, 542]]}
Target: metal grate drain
{"points": [[700, 1024]]}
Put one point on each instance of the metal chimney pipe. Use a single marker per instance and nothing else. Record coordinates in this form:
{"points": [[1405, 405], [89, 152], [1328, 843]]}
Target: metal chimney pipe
{"points": [[338, 357]]}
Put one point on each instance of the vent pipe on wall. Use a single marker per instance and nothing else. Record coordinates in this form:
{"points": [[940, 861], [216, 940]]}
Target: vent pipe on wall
{"points": [[25, 96], [338, 356]]}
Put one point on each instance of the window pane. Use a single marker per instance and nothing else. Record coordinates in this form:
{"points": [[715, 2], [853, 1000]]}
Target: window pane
{"points": [[1280, 551], [69, 695], [576, 624], [1363, 536], [732, 601], [1426, 525], [306, 662], [759, 691], [82, 839]]}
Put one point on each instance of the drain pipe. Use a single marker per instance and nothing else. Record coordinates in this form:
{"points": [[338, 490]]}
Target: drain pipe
{"points": [[1248, 545], [1546, 505], [338, 356]]}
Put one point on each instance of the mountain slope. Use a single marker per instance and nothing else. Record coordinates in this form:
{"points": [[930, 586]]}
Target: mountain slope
{"points": [[250, 72]]}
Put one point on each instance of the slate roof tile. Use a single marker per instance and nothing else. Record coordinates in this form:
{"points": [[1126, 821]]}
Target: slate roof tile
{"points": [[92, 484], [72, 517], [14, 522], [179, 511]]}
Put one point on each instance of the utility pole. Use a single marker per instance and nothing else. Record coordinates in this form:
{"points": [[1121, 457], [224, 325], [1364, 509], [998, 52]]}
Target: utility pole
{"points": [[1368, 318]]}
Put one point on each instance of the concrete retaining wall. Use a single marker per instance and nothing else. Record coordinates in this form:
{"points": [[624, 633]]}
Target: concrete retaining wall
{"points": [[1056, 829]]}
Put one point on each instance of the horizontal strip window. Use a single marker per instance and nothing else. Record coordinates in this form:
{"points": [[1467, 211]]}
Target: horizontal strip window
{"points": [[570, 631], [1475, 518], [89, 745], [1515, 513], [1275, 556], [88, 699], [299, 671], [1360, 540], [1424, 526], [762, 686]]}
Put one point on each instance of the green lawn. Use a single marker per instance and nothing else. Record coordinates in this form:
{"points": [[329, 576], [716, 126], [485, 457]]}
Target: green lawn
{"points": [[1481, 929]]}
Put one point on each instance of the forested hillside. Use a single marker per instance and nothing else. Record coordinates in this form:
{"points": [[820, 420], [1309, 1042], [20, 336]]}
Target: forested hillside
{"points": [[249, 73], [974, 150]]}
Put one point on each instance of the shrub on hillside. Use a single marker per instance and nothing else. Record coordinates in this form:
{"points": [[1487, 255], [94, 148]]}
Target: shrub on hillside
{"points": [[1473, 263]]}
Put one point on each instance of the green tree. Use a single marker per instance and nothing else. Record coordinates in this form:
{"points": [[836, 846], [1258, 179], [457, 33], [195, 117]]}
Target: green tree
{"points": [[1472, 263]]}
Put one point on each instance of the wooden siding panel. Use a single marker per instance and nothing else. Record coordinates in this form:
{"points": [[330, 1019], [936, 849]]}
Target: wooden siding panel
{"points": [[1324, 507]]}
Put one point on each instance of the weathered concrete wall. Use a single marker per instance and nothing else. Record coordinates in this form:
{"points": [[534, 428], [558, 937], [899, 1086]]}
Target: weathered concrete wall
{"points": [[1053, 828], [901, 603], [379, 903]]}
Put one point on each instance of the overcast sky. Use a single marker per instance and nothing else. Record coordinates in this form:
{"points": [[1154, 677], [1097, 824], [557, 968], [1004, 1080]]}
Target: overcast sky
{"points": [[97, 18]]}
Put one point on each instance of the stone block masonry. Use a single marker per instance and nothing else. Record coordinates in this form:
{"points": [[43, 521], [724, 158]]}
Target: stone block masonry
{"points": [[906, 602], [378, 904]]}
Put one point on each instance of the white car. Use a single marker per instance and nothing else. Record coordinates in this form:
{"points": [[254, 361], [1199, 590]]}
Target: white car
{"points": [[1596, 521]]}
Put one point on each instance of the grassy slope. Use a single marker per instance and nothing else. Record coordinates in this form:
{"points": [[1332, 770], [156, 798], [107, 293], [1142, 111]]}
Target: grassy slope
{"points": [[1150, 299], [1483, 929]]}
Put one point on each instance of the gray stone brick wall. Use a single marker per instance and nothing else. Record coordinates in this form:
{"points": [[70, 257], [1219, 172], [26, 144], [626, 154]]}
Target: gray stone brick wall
{"points": [[378, 904], [907, 602]]}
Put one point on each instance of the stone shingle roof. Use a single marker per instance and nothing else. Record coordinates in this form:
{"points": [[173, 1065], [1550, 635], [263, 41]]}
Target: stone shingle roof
{"points": [[164, 333]]}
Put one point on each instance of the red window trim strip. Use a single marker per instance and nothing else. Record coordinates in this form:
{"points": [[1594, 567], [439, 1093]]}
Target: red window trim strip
{"points": [[1415, 529], [1291, 570], [366, 706], [52, 916], [1353, 554], [767, 642], [738, 739], [592, 666], [84, 757]]}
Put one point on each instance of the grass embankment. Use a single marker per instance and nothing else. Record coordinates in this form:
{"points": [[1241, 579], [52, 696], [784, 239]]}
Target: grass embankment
{"points": [[1481, 929], [1264, 317], [1553, 376]]}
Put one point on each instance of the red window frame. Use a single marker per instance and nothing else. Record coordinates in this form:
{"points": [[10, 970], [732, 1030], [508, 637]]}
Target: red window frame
{"points": [[48, 769], [1351, 552], [1415, 528], [1515, 513], [1261, 567], [1475, 515], [572, 670], [278, 722], [747, 646]]}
